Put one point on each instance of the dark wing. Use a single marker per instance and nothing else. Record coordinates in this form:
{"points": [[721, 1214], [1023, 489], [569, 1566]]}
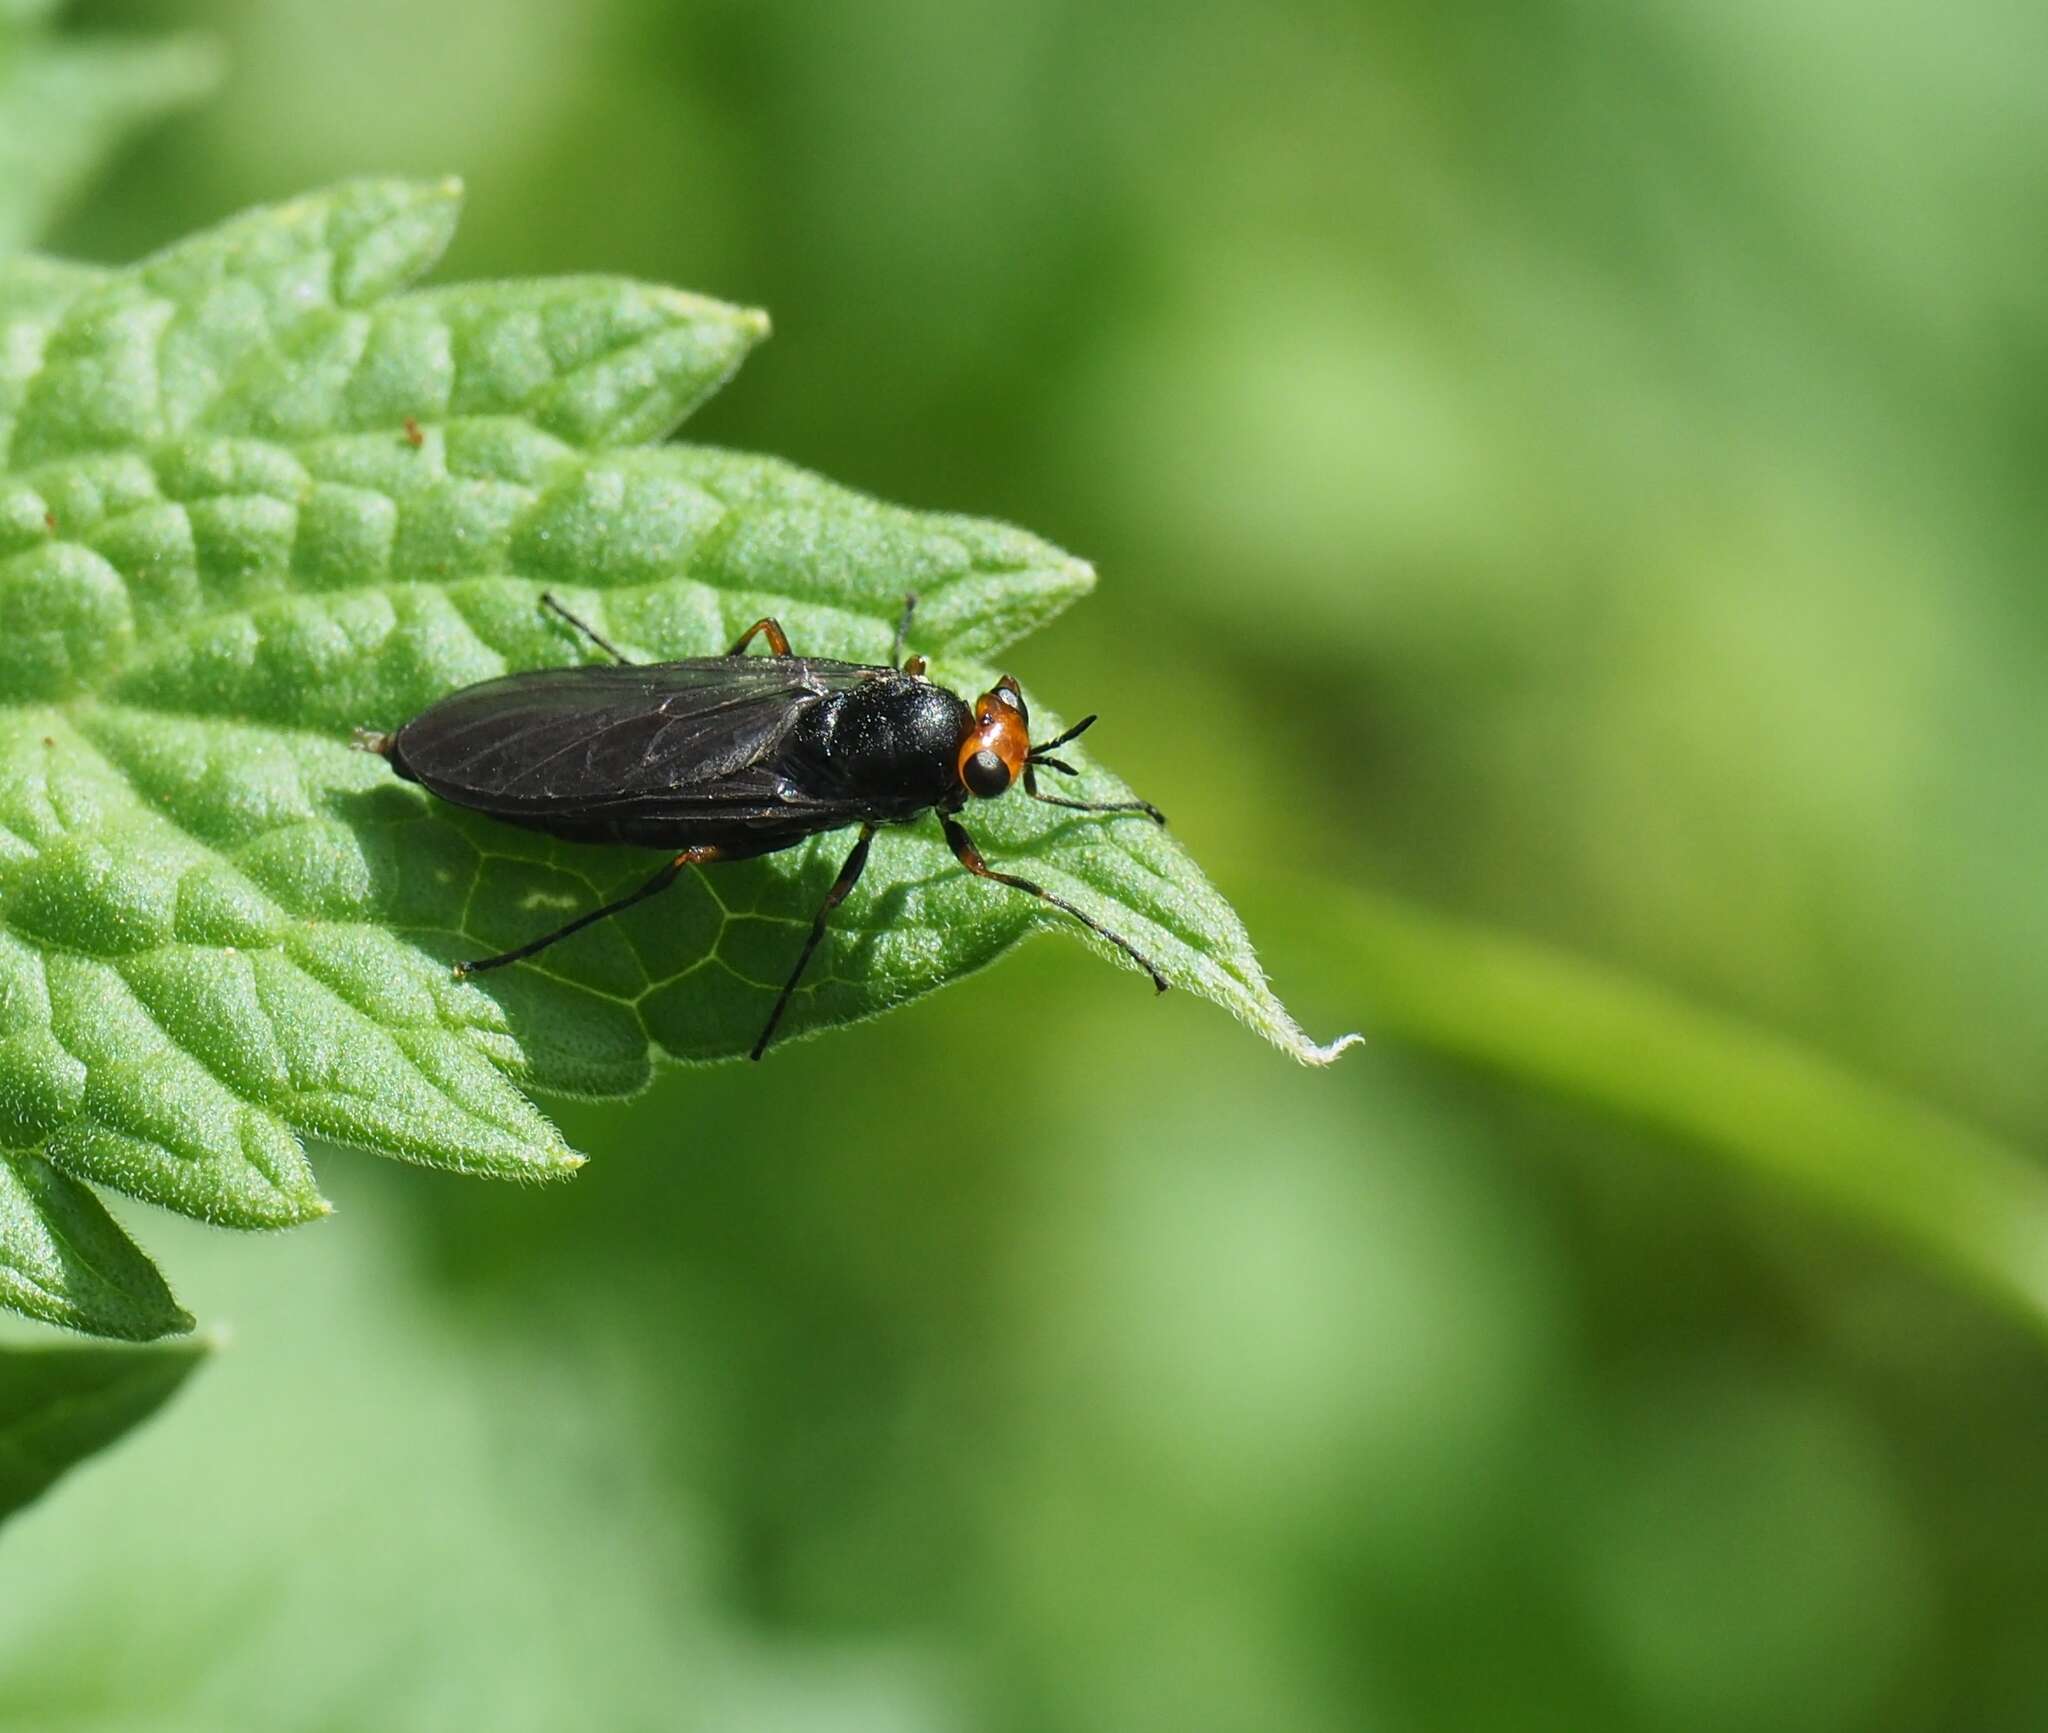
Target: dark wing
{"points": [[706, 735]]}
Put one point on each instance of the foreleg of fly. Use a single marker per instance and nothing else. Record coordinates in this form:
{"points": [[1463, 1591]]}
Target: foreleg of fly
{"points": [[1031, 788], [589, 631], [849, 876], [1041, 756], [660, 882], [970, 857]]}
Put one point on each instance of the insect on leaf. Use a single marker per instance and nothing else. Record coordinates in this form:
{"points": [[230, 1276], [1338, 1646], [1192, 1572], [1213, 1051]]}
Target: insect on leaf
{"points": [[258, 491]]}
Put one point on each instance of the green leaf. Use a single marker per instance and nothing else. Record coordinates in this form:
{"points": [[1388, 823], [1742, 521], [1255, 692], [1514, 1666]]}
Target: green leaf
{"points": [[60, 1405], [256, 493], [64, 1261], [65, 102]]}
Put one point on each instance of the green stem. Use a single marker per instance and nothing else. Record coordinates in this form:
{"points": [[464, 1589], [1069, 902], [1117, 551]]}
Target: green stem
{"points": [[1946, 1190]]}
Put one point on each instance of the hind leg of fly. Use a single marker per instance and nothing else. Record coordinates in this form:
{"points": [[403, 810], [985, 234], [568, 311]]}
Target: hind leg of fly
{"points": [[849, 876], [660, 882]]}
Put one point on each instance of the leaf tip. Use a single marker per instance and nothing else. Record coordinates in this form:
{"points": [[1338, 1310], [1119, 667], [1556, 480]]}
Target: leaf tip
{"points": [[1072, 577], [687, 307], [1312, 1054], [384, 233]]}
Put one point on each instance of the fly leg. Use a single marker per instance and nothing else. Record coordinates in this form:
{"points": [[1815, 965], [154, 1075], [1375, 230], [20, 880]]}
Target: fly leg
{"points": [[1031, 788], [970, 857], [1042, 755], [591, 632], [903, 638], [769, 628], [660, 882], [849, 876]]}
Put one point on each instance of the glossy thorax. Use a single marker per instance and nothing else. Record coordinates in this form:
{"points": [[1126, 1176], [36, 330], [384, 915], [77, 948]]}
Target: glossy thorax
{"points": [[891, 743]]}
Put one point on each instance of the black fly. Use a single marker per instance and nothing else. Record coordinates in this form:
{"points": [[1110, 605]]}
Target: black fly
{"points": [[722, 758]]}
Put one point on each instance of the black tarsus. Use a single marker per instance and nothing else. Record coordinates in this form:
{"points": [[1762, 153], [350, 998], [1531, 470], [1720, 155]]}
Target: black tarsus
{"points": [[849, 876], [1031, 788], [660, 882], [589, 631], [969, 856]]}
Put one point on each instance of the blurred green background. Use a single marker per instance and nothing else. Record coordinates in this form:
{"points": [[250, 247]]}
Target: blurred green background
{"points": [[1573, 466]]}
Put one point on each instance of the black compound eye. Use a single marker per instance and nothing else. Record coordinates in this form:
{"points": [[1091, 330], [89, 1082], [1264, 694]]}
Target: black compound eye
{"points": [[985, 774]]}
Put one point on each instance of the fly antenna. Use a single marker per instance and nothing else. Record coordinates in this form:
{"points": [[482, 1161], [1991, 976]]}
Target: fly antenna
{"points": [[1074, 733]]}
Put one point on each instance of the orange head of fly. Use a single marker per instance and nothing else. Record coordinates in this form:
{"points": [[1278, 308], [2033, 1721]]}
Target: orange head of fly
{"points": [[998, 743]]}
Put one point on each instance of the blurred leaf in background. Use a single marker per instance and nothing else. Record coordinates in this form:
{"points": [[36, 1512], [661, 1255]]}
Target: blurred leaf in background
{"points": [[67, 101], [59, 1405], [1581, 463]]}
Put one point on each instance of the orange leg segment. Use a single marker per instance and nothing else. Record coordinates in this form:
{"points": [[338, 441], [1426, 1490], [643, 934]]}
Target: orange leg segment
{"points": [[778, 640]]}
